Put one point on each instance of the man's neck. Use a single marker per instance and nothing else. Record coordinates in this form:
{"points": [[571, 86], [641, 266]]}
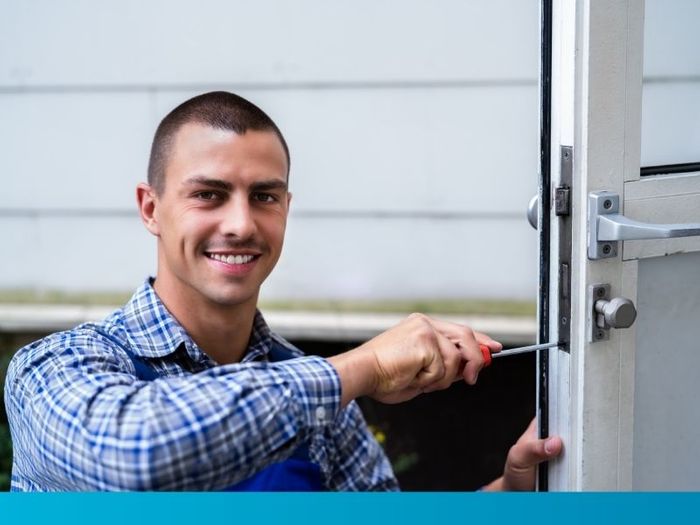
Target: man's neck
{"points": [[222, 332]]}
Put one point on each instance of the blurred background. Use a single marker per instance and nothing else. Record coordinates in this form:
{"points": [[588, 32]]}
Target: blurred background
{"points": [[413, 129]]}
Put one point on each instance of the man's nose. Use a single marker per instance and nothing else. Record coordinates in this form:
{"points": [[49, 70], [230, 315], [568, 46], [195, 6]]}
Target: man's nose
{"points": [[237, 219]]}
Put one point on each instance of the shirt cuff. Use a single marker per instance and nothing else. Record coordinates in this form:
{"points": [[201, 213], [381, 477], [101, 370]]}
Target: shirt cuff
{"points": [[317, 387]]}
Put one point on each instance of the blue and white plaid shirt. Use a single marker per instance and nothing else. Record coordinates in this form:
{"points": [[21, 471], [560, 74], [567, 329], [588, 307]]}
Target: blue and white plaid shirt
{"points": [[82, 420]]}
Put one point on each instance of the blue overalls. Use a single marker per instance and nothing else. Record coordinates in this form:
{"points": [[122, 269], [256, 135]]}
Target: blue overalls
{"points": [[294, 474]]}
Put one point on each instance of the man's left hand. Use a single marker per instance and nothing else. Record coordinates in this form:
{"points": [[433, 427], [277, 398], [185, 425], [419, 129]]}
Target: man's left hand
{"points": [[523, 458]]}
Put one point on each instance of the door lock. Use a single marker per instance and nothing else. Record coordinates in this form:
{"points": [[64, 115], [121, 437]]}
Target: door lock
{"points": [[606, 313], [618, 312]]}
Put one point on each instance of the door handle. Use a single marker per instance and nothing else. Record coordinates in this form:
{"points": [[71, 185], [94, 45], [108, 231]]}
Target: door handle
{"points": [[606, 226], [617, 227], [533, 211]]}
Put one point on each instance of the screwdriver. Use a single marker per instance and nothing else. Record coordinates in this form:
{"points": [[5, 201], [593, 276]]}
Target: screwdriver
{"points": [[488, 356]]}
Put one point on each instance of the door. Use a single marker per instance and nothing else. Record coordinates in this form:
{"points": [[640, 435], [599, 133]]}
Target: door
{"points": [[622, 398]]}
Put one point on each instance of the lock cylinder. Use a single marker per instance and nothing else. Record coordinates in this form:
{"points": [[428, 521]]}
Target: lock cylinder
{"points": [[618, 312]]}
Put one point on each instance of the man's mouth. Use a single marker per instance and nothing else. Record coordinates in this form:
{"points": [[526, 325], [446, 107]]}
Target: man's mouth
{"points": [[231, 259]]}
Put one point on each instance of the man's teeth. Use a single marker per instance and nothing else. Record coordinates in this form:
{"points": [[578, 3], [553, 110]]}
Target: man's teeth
{"points": [[231, 259]]}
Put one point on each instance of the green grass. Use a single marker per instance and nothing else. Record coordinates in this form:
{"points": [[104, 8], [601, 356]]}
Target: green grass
{"points": [[431, 306], [467, 306], [59, 297]]}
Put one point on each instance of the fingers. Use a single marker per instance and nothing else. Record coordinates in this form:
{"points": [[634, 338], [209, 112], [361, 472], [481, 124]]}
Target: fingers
{"points": [[430, 377], [452, 363], [528, 452], [469, 344], [434, 363], [423, 354], [462, 337], [484, 339]]}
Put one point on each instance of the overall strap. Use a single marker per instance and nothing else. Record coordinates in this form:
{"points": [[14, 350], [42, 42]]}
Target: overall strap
{"points": [[297, 472], [143, 371], [278, 352]]}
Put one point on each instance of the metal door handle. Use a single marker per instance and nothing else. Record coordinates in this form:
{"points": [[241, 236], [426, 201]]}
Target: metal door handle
{"points": [[533, 211], [606, 225], [617, 227]]}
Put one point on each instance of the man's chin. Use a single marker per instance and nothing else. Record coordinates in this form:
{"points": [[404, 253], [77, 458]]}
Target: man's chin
{"points": [[231, 299]]}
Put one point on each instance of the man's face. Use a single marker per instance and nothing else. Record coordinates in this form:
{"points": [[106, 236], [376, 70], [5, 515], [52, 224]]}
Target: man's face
{"points": [[222, 215]]}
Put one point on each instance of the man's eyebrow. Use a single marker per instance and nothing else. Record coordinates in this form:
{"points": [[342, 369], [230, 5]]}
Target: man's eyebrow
{"points": [[267, 185], [200, 180]]}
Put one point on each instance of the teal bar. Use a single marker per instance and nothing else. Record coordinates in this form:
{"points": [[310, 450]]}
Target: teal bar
{"points": [[350, 509]]}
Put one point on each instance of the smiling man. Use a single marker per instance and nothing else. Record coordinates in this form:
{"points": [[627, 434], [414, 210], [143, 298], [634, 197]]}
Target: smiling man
{"points": [[185, 387], [220, 220]]}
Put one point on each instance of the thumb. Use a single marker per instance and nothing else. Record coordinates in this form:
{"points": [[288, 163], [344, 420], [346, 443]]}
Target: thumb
{"points": [[527, 454]]}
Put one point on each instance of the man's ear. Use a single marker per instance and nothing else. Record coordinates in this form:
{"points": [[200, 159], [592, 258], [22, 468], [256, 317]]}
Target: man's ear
{"points": [[147, 203], [289, 200]]}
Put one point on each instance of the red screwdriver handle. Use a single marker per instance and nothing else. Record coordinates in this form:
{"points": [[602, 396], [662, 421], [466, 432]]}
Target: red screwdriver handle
{"points": [[487, 355]]}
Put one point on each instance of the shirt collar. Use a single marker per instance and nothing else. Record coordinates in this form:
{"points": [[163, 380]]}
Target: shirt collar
{"points": [[153, 332], [260, 340]]}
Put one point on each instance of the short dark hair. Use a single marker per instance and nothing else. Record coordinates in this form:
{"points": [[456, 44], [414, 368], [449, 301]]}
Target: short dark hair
{"points": [[218, 109]]}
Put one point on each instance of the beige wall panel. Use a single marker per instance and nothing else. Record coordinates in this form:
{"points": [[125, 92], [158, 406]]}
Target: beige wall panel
{"points": [[166, 42], [361, 258], [74, 151], [468, 151]]}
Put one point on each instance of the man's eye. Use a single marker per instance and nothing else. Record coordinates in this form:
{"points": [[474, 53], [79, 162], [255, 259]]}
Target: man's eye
{"points": [[264, 197], [206, 195]]}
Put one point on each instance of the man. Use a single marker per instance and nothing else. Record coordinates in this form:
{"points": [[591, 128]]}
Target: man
{"points": [[185, 387]]}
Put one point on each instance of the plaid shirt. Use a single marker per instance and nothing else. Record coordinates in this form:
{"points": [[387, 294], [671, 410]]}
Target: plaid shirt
{"points": [[81, 419]]}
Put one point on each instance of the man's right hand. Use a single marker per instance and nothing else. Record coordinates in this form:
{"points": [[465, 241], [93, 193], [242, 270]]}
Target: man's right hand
{"points": [[418, 355]]}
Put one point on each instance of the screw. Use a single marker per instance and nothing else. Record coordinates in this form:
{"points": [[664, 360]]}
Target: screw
{"points": [[607, 204], [566, 154], [600, 292], [606, 249], [564, 320], [600, 334]]}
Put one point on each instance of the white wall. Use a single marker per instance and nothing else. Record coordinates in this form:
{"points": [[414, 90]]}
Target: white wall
{"points": [[412, 124], [671, 98]]}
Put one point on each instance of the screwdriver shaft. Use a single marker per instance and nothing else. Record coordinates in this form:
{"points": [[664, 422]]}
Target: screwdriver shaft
{"points": [[524, 349]]}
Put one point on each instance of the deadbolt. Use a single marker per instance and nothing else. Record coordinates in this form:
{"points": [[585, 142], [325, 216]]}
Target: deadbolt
{"points": [[618, 312], [606, 313]]}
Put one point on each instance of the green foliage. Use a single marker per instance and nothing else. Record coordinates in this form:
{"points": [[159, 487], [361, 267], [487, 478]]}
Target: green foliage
{"points": [[405, 462], [466, 306], [429, 306], [21, 296], [5, 441], [5, 457]]}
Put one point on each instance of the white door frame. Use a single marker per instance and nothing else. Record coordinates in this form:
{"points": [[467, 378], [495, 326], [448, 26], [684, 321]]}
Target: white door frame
{"points": [[596, 108]]}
